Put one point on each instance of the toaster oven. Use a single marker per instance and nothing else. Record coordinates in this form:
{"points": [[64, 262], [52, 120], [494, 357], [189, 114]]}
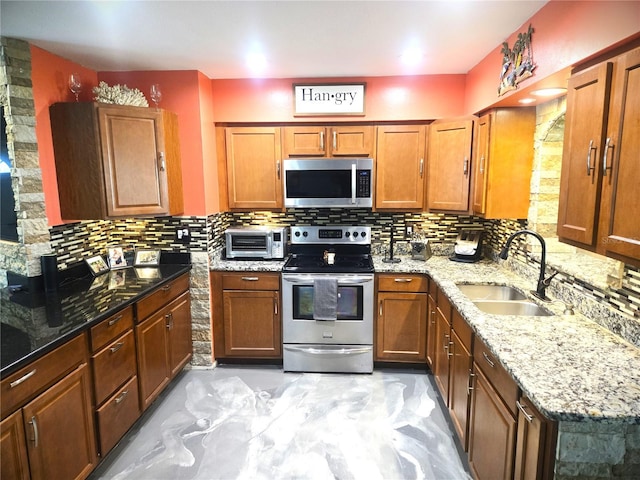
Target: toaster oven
{"points": [[256, 242]]}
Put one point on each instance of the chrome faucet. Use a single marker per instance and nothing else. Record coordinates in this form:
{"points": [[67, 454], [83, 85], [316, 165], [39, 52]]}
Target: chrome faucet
{"points": [[543, 283]]}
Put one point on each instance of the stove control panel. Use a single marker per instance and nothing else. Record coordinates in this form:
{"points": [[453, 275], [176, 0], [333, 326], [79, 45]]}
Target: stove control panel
{"points": [[339, 234]]}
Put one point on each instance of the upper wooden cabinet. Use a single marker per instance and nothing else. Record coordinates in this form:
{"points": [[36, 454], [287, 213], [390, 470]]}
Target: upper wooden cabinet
{"points": [[336, 141], [400, 167], [449, 164], [599, 195], [116, 161], [503, 157], [254, 163]]}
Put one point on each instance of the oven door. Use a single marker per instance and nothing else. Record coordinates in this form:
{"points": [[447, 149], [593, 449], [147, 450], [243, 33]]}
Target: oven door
{"points": [[354, 325]]}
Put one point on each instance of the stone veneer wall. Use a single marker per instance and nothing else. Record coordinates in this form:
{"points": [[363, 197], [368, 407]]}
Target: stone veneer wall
{"points": [[17, 97]]}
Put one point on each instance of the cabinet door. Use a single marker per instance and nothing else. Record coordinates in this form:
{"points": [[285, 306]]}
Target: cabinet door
{"points": [[620, 209], [400, 167], [132, 143], [180, 346], [13, 448], [459, 387], [59, 425], [535, 444], [254, 167], [481, 160], [401, 327], [352, 141], [449, 165], [153, 357], [491, 433], [442, 352], [304, 141], [252, 324], [432, 316], [587, 104]]}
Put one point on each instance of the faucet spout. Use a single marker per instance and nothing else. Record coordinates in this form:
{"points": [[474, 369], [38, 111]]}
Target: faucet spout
{"points": [[543, 283]]}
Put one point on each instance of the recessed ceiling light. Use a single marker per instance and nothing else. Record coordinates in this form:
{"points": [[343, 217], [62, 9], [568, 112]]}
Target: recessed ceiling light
{"points": [[549, 92], [412, 56], [256, 62], [526, 100]]}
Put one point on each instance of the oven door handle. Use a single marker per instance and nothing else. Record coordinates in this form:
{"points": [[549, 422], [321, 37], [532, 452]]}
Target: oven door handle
{"points": [[329, 350], [306, 279]]}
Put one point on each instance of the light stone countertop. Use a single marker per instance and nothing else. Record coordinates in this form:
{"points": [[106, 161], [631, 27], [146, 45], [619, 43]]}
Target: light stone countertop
{"points": [[570, 367]]}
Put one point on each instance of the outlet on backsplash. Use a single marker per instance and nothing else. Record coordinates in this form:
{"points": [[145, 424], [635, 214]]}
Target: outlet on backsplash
{"points": [[183, 235]]}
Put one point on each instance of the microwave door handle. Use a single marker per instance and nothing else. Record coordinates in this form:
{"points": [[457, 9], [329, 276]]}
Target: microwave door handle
{"points": [[353, 183]]}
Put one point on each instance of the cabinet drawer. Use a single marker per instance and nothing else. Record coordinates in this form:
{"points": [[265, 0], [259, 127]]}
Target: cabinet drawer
{"points": [[497, 375], [462, 329], [117, 415], [161, 297], [113, 365], [251, 281], [402, 283], [111, 328], [29, 381]]}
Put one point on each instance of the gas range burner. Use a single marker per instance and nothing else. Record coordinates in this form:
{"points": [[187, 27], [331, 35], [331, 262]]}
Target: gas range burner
{"points": [[302, 263], [330, 249]]}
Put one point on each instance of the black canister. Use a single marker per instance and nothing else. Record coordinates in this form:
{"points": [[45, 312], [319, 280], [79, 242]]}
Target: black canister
{"points": [[49, 265]]}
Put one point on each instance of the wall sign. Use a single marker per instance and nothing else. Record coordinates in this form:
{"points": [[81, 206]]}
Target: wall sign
{"points": [[328, 99]]}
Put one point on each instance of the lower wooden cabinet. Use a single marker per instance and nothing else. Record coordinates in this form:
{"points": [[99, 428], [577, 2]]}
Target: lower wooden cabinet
{"points": [[442, 345], [432, 315], [13, 448], [460, 376], [246, 315], [60, 429], [118, 414], [401, 323], [535, 444]]}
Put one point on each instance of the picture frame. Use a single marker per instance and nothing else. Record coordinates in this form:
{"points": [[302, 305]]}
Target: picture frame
{"points": [[116, 258], [97, 265], [329, 99], [145, 258]]}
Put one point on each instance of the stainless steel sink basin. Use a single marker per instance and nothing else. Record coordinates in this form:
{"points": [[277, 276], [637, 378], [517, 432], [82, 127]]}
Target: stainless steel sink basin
{"points": [[479, 291], [512, 307]]}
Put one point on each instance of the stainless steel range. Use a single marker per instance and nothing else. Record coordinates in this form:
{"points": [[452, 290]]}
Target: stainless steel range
{"points": [[328, 300]]}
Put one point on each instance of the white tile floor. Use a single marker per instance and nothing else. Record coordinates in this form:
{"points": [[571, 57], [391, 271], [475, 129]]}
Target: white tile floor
{"points": [[260, 423]]}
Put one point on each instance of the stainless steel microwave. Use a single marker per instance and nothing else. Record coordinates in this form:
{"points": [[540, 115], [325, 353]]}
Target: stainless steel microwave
{"points": [[328, 182], [256, 242]]}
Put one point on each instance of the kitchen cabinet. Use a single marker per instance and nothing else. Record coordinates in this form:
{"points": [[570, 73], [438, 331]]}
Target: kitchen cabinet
{"points": [[163, 337], [113, 364], [503, 163], [400, 167], [34, 399], [246, 314], [116, 161], [401, 323], [442, 345], [535, 443], [599, 198], [460, 376], [254, 168], [449, 164], [492, 421], [328, 141]]}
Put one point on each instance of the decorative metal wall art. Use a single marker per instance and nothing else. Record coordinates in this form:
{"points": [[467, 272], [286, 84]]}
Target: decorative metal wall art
{"points": [[517, 63]]}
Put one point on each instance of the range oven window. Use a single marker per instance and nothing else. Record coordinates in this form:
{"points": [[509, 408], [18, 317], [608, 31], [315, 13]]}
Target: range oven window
{"points": [[349, 302]]}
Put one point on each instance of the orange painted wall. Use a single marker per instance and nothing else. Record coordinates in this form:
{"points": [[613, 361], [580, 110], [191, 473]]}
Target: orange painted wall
{"points": [[209, 154], [566, 32], [386, 98], [49, 76], [180, 94]]}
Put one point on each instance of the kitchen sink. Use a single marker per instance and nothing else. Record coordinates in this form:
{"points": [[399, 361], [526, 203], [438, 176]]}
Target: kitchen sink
{"points": [[512, 307], [480, 291]]}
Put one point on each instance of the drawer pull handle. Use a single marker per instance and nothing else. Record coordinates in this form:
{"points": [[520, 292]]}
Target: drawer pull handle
{"points": [[117, 347], [34, 424], [523, 409], [17, 382], [250, 279], [122, 396], [115, 320], [449, 352], [169, 320], [166, 288], [380, 307], [470, 384], [489, 361], [403, 280], [607, 146], [589, 167]]}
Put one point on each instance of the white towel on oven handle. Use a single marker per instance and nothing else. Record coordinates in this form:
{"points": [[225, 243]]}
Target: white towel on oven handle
{"points": [[325, 299]]}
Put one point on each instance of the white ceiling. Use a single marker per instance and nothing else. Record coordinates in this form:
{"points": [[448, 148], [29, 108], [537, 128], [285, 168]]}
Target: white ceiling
{"points": [[298, 38]]}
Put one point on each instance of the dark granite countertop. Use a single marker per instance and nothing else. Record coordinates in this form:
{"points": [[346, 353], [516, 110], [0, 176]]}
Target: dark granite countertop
{"points": [[33, 325]]}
